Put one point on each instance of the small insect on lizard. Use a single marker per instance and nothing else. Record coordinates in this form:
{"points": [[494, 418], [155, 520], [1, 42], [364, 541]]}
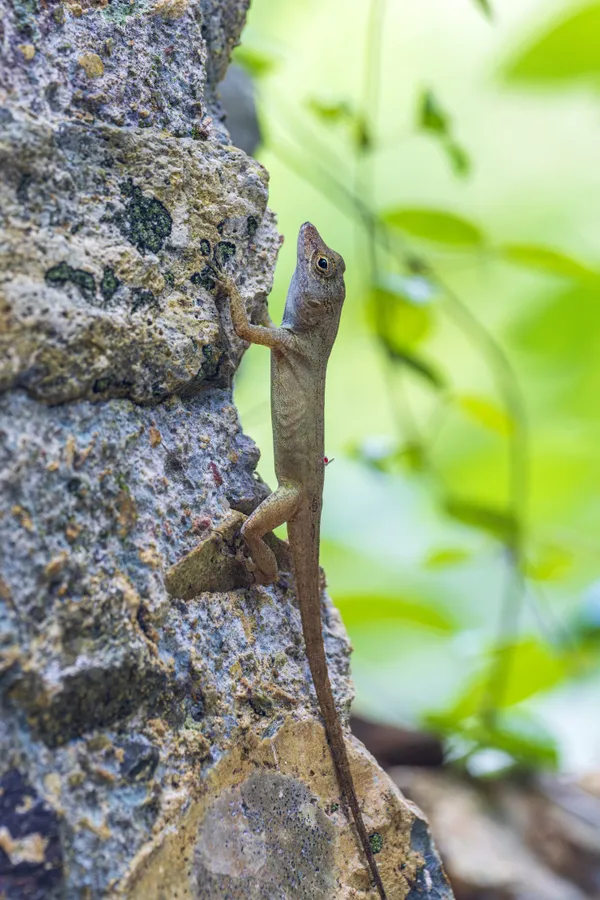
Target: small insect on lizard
{"points": [[300, 349]]}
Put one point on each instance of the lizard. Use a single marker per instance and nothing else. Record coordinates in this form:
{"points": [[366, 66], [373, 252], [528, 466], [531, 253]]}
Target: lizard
{"points": [[300, 349]]}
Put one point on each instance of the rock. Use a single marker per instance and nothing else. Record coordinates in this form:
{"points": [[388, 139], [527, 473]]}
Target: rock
{"points": [[237, 96], [218, 562], [487, 852], [154, 707], [268, 824]]}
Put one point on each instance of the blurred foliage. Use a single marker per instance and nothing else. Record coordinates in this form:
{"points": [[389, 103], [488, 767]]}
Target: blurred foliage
{"points": [[461, 514]]}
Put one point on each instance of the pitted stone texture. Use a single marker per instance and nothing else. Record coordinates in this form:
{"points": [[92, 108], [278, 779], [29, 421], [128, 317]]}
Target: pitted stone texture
{"points": [[267, 824], [109, 239], [98, 500], [142, 63]]}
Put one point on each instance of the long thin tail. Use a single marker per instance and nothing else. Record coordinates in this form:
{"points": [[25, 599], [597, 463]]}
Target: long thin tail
{"points": [[307, 586]]}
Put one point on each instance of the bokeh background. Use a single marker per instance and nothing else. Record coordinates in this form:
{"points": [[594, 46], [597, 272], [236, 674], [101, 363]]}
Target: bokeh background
{"points": [[450, 149]]}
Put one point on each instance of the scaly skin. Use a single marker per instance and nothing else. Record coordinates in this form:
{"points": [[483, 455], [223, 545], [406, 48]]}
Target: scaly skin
{"points": [[300, 350]]}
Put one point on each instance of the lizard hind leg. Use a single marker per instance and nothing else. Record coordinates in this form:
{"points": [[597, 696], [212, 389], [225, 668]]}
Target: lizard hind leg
{"points": [[278, 508]]}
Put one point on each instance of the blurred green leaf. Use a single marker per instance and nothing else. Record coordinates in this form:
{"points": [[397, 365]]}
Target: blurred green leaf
{"points": [[431, 116], [397, 320], [544, 259], [569, 48], [417, 365], [500, 524], [486, 413], [436, 226], [531, 666], [517, 733], [549, 563], [256, 62], [446, 556], [331, 110], [459, 158], [486, 7], [416, 287], [389, 458], [413, 455], [372, 610]]}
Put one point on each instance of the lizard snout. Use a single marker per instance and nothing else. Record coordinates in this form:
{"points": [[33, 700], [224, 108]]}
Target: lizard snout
{"points": [[308, 238]]}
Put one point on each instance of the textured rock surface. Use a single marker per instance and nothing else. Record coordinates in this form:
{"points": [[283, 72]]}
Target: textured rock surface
{"points": [[152, 744]]}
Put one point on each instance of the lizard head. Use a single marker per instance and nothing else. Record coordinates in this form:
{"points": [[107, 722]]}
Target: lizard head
{"points": [[317, 289]]}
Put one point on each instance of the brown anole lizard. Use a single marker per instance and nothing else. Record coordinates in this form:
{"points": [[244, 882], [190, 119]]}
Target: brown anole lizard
{"points": [[300, 350]]}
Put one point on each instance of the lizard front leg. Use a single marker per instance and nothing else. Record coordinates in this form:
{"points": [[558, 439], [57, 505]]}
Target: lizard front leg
{"points": [[268, 335], [278, 508]]}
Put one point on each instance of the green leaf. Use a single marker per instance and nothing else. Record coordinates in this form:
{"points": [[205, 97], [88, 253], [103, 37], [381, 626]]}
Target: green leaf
{"points": [[486, 413], [433, 119], [417, 365], [436, 226], [397, 320], [459, 158], [486, 7], [544, 259], [446, 556], [549, 563], [569, 49], [431, 116], [518, 733], [331, 110], [256, 62], [500, 524], [358, 610], [530, 666]]}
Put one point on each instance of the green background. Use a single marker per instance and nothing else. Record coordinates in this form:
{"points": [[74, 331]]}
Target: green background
{"points": [[461, 520]]}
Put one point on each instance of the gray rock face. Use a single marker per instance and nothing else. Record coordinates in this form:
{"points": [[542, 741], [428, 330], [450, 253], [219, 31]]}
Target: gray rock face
{"points": [[135, 724]]}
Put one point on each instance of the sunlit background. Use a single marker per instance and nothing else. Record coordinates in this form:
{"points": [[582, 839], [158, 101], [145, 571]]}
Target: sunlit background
{"points": [[450, 150]]}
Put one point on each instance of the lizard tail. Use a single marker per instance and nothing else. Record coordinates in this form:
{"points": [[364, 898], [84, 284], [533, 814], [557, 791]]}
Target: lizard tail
{"points": [[306, 573]]}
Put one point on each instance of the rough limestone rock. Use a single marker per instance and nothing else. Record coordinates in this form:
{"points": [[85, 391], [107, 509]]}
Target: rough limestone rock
{"points": [[158, 730]]}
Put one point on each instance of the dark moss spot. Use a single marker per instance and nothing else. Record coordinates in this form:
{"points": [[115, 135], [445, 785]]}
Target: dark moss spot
{"points": [[127, 188], [169, 279], [221, 227], [84, 281], [63, 273], [205, 247], [199, 133], [141, 299], [59, 274], [101, 385], [206, 278], [109, 283], [224, 251], [252, 226], [145, 221], [376, 842]]}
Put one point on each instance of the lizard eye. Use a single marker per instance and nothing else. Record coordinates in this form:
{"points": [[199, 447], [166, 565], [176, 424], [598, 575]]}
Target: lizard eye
{"points": [[323, 265]]}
